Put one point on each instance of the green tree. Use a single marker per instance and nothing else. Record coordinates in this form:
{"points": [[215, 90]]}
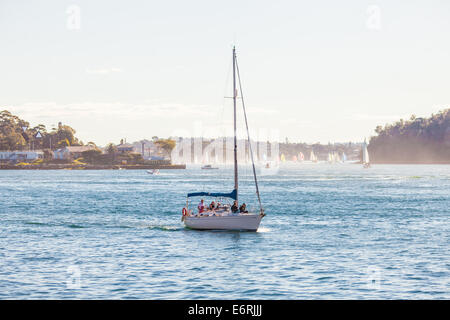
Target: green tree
{"points": [[48, 154], [92, 156], [414, 140], [167, 145], [90, 143], [12, 135], [111, 150]]}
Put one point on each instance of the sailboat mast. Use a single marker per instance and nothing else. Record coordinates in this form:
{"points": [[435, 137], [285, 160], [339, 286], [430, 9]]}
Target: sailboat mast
{"points": [[234, 118]]}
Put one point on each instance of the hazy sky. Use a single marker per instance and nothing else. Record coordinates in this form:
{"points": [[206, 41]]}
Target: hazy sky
{"points": [[312, 70]]}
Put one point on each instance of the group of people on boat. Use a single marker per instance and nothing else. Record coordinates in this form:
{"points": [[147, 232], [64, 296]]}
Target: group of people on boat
{"points": [[242, 208], [213, 207]]}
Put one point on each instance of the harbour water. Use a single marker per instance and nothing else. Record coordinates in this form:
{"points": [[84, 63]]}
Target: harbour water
{"points": [[331, 232]]}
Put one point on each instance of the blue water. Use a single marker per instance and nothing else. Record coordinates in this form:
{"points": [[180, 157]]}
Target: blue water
{"points": [[331, 232]]}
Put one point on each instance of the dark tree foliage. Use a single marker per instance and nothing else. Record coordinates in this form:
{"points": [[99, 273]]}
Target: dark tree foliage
{"points": [[167, 145], [92, 156], [418, 140], [12, 135], [16, 134]]}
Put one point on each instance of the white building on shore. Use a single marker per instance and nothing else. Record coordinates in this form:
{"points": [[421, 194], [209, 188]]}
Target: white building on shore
{"points": [[16, 156]]}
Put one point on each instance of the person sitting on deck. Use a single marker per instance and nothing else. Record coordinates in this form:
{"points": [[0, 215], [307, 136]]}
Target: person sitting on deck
{"points": [[234, 207], [212, 206], [201, 207], [242, 209]]}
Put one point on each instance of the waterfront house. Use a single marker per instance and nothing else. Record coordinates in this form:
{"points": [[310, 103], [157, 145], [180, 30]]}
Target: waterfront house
{"points": [[73, 152], [125, 147]]}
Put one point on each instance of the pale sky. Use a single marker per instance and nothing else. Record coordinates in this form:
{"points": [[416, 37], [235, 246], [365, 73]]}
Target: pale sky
{"points": [[313, 71]]}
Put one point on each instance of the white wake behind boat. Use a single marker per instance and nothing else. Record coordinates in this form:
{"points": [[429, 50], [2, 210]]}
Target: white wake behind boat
{"points": [[223, 217]]}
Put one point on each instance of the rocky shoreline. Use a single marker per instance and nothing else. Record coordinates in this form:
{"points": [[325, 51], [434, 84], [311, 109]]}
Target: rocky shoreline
{"points": [[90, 167]]}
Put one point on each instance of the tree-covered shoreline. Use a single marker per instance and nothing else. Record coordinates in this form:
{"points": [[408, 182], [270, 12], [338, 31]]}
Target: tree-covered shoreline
{"points": [[16, 134], [417, 140]]}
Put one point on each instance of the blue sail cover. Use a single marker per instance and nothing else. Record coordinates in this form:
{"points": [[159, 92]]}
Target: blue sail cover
{"points": [[231, 195]]}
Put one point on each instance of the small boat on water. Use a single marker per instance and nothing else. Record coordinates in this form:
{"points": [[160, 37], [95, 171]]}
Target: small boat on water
{"points": [[365, 155], [153, 171], [208, 166], [333, 157], [224, 216], [313, 157], [269, 168]]}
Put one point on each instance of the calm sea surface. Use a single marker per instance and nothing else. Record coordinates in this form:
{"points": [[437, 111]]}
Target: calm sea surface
{"points": [[331, 232]]}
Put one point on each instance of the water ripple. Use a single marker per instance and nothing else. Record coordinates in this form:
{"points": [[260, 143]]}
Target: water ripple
{"points": [[331, 232]]}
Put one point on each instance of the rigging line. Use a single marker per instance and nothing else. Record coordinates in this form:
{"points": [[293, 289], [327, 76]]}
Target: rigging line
{"points": [[248, 136]]}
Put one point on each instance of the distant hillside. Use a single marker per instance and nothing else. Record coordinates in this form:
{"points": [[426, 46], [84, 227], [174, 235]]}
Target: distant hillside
{"points": [[417, 140]]}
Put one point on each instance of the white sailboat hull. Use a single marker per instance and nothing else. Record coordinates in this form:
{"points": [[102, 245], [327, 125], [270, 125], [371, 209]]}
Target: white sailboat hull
{"points": [[248, 222]]}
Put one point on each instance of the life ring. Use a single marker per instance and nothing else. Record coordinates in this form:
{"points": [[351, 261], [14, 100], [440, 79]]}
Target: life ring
{"points": [[184, 211]]}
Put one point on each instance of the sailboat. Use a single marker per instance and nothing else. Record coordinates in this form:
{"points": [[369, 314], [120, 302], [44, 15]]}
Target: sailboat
{"points": [[268, 166], [337, 158], [206, 161], [365, 155], [222, 217], [313, 157], [330, 157]]}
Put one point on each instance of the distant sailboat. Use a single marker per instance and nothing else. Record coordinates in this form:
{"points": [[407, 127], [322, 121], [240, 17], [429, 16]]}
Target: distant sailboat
{"points": [[282, 158], [268, 166], [365, 155], [301, 157], [330, 157], [344, 157], [333, 157], [337, 158], [206, 162], [313, 157]]}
